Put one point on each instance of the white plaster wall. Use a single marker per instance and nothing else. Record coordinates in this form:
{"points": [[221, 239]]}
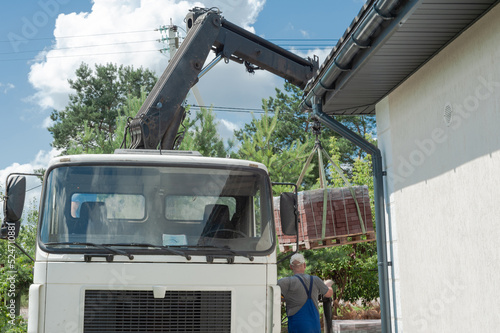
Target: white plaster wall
{"points": [[443, 186]]}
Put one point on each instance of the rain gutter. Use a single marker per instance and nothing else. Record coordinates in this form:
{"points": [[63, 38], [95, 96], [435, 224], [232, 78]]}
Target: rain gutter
{"points": [[360, 44]]}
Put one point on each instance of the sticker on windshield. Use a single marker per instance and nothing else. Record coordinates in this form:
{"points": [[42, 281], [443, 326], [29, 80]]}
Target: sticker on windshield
{"points": [[172, 240]]}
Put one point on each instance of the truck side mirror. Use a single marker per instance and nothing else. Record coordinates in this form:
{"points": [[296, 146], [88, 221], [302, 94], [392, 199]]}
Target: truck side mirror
{"points": [[13, 207], [288, 213]]}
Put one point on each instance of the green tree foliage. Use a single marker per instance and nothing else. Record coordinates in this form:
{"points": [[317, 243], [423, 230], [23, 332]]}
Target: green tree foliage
{"points": [[336, 180], [94, 123], [353, 268], [95, 142], [201, 135], [289, 131], [291, 124], [260, 147], [283, 143], [363, 125], [89, 119]]}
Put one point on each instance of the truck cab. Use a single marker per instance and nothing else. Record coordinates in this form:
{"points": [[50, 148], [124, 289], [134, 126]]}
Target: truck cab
{"points": [[141, 241]]}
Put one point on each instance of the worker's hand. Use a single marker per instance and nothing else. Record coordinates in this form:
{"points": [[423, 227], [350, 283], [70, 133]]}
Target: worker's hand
{"points": [[329, 284]]}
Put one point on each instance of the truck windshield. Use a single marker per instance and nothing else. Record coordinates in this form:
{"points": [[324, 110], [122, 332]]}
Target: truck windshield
{"points": [[195, 209]]}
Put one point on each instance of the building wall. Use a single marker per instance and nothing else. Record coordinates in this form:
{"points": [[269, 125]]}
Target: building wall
{"points": [[439, 133]]}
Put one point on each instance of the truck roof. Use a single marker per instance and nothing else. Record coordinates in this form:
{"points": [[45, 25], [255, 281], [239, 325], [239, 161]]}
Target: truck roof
{"points": [[154, 156]]}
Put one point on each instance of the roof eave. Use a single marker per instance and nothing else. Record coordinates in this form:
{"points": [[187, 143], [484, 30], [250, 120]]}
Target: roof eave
{"points": [[352, 79], [357, 47]]}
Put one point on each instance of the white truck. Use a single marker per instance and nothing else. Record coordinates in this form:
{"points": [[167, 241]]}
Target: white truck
{"points": [[151, 239]]}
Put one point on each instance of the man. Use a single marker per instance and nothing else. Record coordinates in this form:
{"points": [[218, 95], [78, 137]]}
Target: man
{"points": [[301, 296]]}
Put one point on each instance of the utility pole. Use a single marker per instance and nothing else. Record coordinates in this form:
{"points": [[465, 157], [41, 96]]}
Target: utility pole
{"points": [[173, 43]]}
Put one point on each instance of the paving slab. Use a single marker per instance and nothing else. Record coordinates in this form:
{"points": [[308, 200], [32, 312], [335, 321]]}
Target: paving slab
{"points": [[357, 326]]}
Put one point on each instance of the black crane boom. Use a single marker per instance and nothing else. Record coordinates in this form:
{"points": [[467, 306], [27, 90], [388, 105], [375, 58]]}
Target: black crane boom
{"points": [[157, 123]]}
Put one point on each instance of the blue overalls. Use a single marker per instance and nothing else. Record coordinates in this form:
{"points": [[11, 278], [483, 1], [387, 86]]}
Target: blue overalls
{"points": [[306, 320]]}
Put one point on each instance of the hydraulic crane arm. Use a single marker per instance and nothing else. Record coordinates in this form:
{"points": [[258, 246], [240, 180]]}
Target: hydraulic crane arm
{"points": [[157, 122]]}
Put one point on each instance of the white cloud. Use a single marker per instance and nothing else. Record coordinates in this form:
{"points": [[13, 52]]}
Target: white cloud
{"points": [[47, 122], [33, 187], [5, 87], [229, 125], [320, 53], [226, 129], [229, 85], [50, 75], [43, 158]]}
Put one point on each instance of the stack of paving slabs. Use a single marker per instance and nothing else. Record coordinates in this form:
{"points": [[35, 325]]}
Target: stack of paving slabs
{"points": [[347, 220]]}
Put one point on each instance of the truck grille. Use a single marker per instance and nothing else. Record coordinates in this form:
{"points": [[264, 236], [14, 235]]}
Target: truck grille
{"points": [[139, 311]]}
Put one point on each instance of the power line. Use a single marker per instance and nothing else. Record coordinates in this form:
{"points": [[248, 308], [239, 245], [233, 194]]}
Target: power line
{"points": [[308, 48], [325, 40], [79, 36], [80, 55], [297, 44], [303, 44], [34, 188], [290, 46], [302, 48], [293, 46], [285, 45], [303, 40], [228, 109], [82, 46]]}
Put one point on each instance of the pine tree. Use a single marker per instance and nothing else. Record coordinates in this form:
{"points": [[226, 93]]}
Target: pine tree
{"points": [[201, 135], [89, 119]]}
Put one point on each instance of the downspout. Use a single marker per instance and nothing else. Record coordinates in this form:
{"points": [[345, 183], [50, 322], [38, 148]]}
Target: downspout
{"points": [[378, 186]]}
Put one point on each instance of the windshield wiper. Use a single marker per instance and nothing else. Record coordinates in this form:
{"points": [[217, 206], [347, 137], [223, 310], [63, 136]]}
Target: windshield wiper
{"points": [[166, 248], [227, 249], [100, 246]]}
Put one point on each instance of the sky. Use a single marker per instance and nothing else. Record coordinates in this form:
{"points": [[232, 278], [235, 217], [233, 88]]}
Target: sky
{"points": [[42, 42]]}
